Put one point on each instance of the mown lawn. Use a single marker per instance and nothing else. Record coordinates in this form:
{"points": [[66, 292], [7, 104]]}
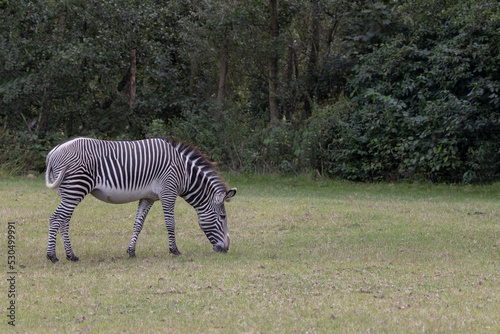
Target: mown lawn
{"points": [[306, 256]]}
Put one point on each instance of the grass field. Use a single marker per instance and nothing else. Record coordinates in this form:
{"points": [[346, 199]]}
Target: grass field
{"points": [[306, 257]]}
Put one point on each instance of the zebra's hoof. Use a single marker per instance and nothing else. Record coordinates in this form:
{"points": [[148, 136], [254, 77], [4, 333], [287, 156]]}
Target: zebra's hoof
{"points": [[175, 251], [131, 253], [72, 258], [52, 258]]}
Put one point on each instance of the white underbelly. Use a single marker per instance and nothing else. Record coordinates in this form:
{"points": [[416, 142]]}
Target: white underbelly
{"points": [[120, 196]]}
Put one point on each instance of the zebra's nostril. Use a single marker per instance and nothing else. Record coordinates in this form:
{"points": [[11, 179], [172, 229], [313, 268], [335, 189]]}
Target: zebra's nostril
{"points": [[220, 249]]}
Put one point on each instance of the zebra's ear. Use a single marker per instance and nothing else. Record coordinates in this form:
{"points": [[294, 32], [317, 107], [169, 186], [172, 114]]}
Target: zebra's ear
{"points": [[230, 194]]}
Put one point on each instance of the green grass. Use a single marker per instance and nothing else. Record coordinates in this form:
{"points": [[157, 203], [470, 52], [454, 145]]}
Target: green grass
{"points": [[306, 256]]}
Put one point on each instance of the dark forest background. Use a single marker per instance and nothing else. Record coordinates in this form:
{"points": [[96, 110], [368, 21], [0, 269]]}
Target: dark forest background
{"points": [[360, 90]]}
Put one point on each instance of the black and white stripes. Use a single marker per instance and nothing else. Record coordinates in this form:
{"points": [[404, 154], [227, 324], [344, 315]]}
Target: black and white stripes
{"points": [[145, 171]]}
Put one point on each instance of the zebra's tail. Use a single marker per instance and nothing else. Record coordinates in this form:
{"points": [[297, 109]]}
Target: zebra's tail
{"points": [[58, 181]]}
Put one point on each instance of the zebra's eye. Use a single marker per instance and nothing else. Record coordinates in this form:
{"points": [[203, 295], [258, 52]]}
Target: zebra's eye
{"points": [[223, 216]]}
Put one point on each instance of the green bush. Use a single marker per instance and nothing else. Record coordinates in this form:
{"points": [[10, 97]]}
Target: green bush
{"points": [[427, 104], [237, 140], [21, 152]]}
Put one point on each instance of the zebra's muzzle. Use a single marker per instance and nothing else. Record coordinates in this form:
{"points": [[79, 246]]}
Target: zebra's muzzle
{"points": [[222, 247]]}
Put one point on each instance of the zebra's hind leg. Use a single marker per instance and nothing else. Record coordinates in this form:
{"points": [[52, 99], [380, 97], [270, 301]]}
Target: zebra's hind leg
{"points": [[59, 221], [54, 225], [67, 244], [142, 212]]}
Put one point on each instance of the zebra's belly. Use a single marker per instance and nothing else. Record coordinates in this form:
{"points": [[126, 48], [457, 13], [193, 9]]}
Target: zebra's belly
{"points": [[121, 196]]}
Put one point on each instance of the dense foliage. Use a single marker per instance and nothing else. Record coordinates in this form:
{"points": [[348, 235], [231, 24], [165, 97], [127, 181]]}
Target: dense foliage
{"points": [[363, 90], [428, 98]]}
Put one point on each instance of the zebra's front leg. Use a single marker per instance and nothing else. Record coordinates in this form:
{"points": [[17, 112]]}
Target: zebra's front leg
{"points": [[170, 223], [168, 204], [142, 211]]}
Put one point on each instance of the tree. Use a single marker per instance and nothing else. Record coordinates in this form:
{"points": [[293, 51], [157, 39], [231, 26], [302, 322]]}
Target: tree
{"points": [[224, 71], [427, 104], [273, 62], [366, 90], [312, 65], [133, 71]]}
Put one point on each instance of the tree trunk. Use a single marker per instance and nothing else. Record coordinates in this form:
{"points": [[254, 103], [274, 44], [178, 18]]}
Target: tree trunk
{"points": [[273, 66], [291, 70], [312, 77], [133, 68], [224, 70], [193, 75], [43, 118]]}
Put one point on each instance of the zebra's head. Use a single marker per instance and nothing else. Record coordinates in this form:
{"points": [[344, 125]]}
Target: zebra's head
{"points": [[214, 221]]}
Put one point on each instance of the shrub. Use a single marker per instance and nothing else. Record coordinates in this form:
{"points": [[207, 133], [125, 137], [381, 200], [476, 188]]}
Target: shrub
{"points": [[21, 152]]}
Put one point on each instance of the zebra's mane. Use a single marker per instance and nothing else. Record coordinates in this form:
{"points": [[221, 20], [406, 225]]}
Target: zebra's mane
{"points": [[199, 159]]}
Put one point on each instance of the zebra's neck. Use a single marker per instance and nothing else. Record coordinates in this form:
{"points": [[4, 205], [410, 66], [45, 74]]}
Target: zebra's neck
{"points": [[201, 181], [201, 185]]}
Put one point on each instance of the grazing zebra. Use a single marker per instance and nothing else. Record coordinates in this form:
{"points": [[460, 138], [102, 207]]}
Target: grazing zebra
{"points": [[145, 171]]}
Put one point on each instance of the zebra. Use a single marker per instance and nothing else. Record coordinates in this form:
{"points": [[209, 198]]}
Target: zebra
{"points": [[144, 170]]}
